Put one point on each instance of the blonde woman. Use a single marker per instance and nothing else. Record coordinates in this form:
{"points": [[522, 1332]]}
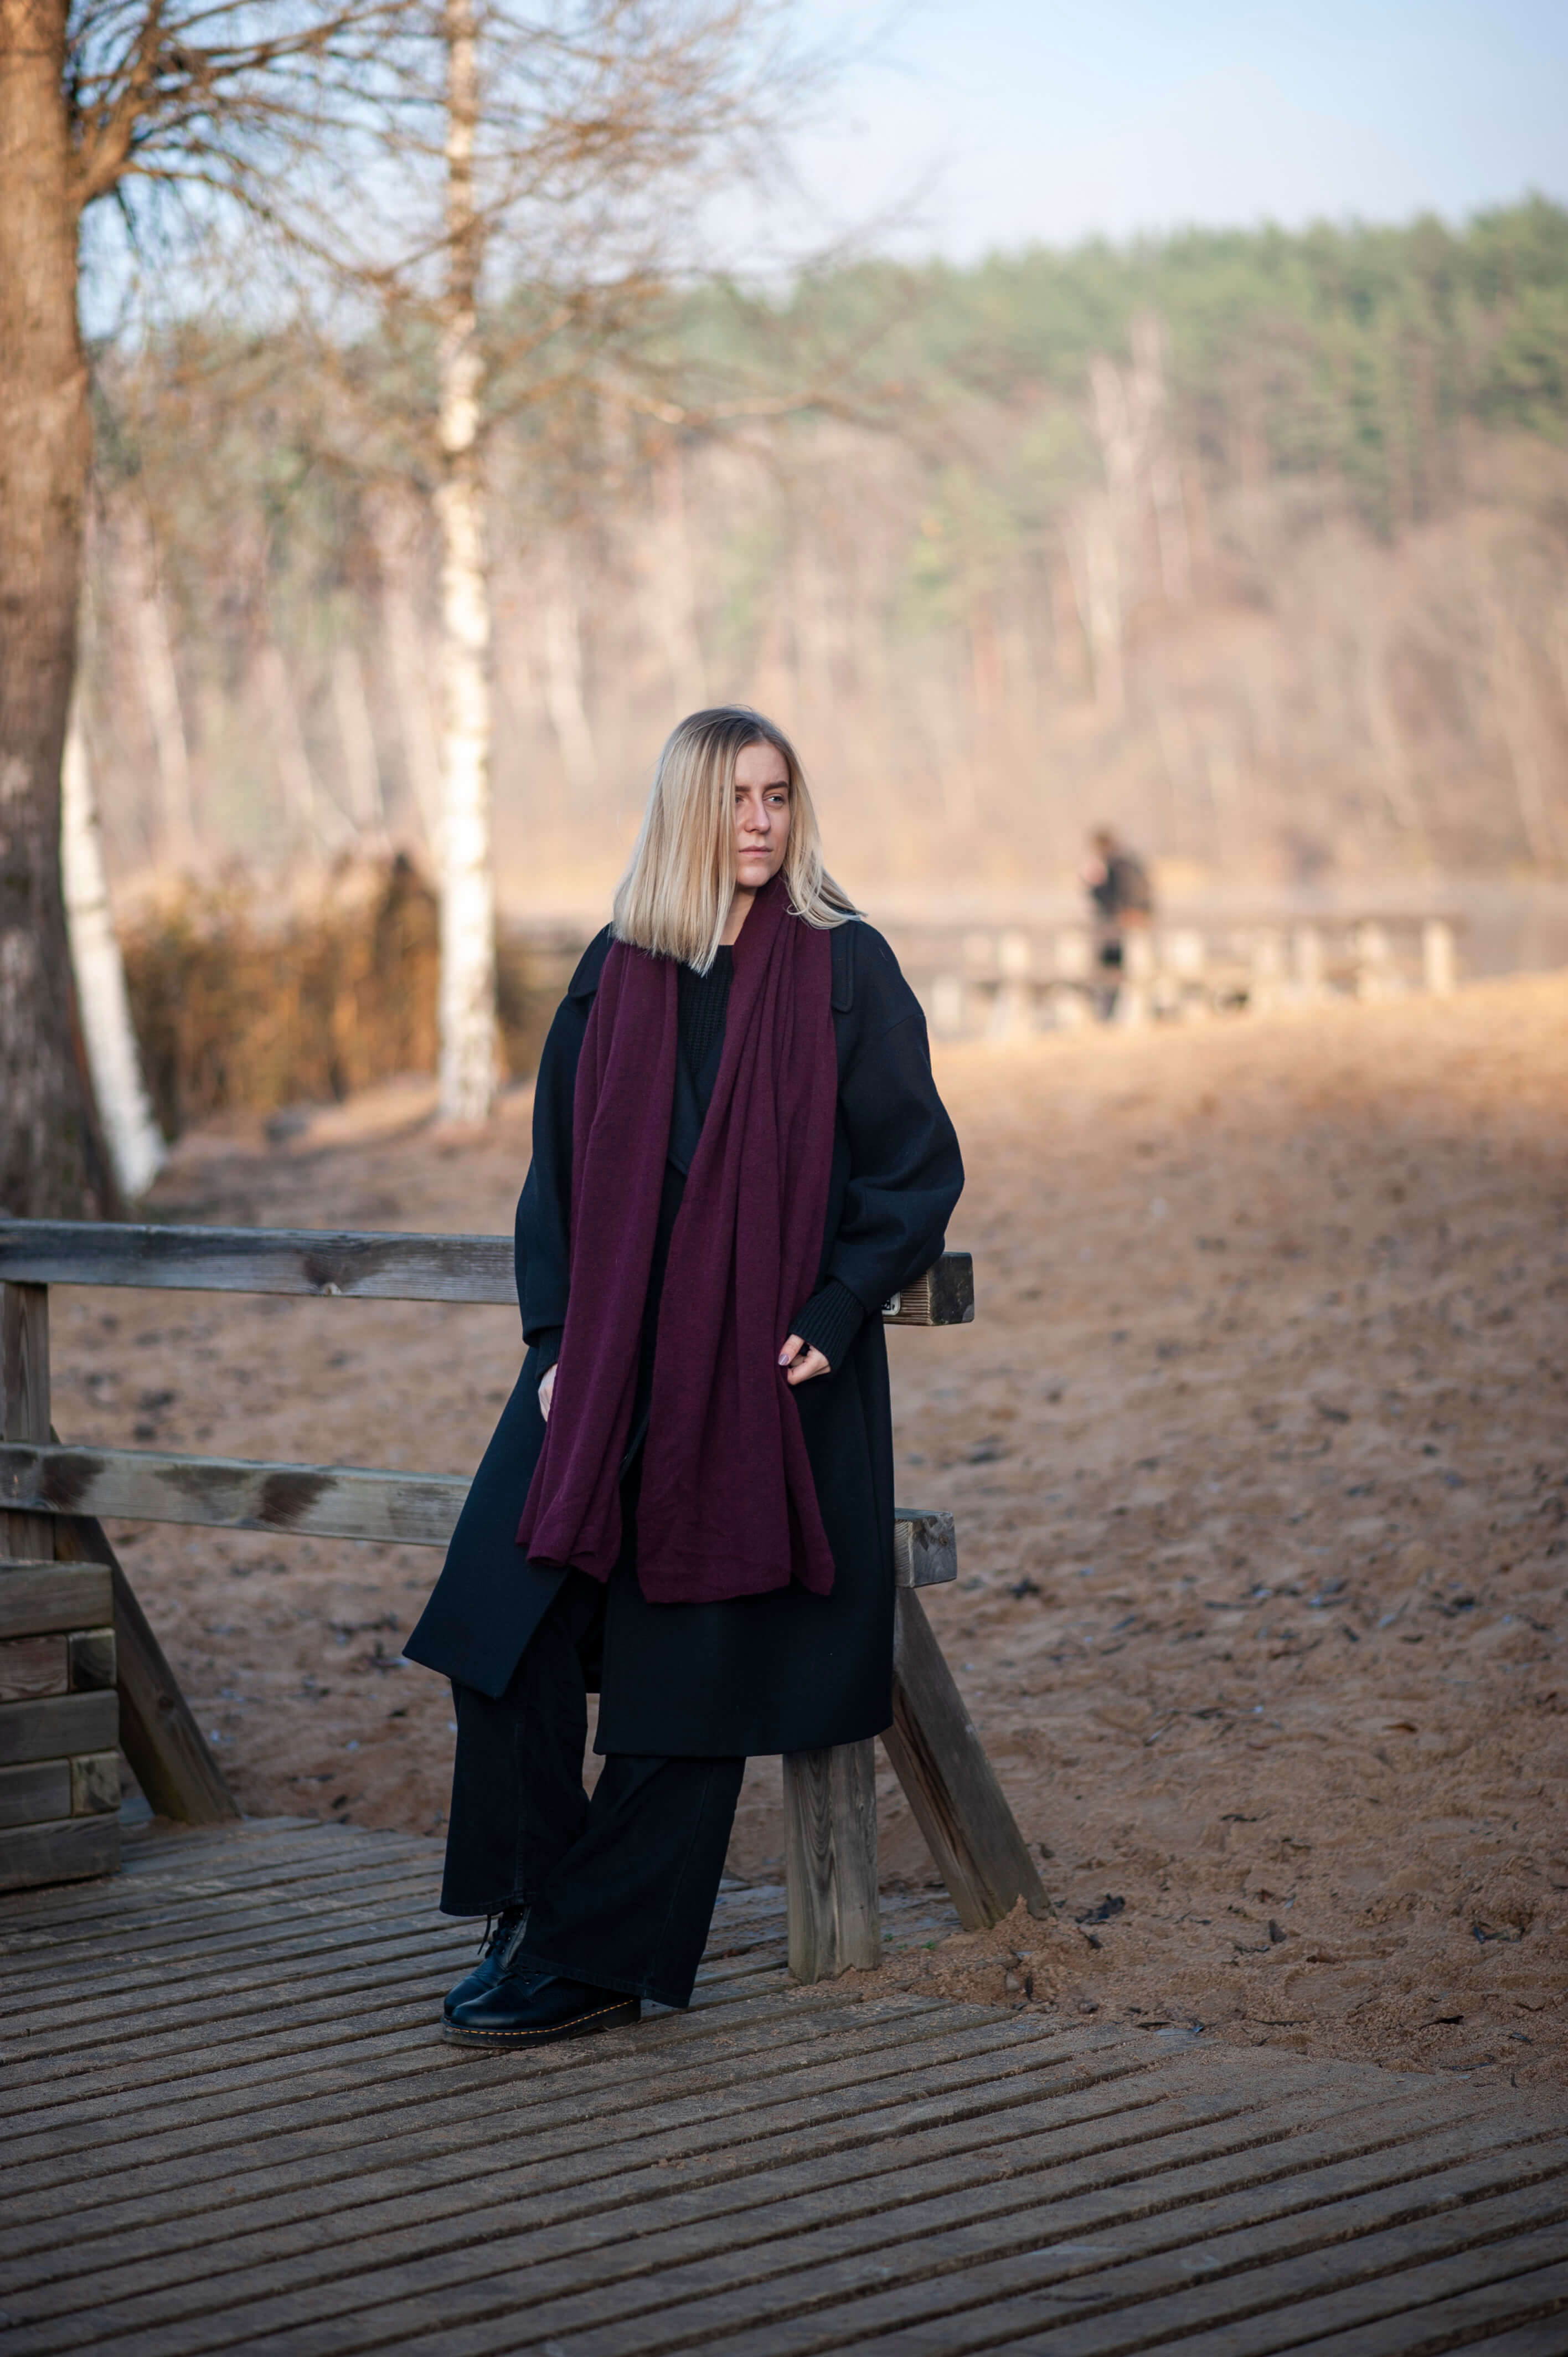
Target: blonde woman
{"points": [[739, 1153]]}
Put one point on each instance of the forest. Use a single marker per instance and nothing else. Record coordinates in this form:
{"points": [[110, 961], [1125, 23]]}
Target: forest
{"points": [[1254, 544]]}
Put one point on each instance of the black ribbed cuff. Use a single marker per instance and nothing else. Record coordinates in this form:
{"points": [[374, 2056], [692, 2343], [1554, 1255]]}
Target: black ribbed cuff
{"points": [[830, 1320], [547, 1342]]}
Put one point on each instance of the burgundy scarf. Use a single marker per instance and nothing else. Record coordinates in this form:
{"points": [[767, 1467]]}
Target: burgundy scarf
{"points": [[727, 1505]]}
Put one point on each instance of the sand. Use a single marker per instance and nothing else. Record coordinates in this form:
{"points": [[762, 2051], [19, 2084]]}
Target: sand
{"points": [[1258, 1453]]}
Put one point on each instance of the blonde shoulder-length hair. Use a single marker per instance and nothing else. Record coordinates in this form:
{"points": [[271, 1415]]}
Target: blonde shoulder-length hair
{"points": [[675, 896]]}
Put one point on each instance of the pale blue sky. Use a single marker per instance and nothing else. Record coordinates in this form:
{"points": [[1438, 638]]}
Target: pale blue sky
{"points": [[1038, 120]]}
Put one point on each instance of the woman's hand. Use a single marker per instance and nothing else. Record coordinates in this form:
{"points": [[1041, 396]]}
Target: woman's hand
{"points": [[802, 1361], [546, 1392]]}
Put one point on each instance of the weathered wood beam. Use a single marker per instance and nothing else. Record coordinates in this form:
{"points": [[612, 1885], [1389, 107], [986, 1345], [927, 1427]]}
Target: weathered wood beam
{"points": [[169, 1757], [333, 1501], [830, 1864], [328, 1502], [950, 1784], [322, 1263], [76, 1849], [367, 1267], [24, 1401], [40, 1597], [925, 1547], [944, 1296]]}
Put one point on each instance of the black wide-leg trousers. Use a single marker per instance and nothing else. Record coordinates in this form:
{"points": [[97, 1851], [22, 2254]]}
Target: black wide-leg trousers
{"points": [[619, 1887]]}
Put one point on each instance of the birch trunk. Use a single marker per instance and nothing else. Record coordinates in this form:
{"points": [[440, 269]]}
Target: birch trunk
{"points": [[135, 1143], [47, 1131], [467, 1022]]}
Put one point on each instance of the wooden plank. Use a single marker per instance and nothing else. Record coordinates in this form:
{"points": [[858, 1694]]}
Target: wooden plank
{"points": [[34, 1791], [442, 2175], [405, 2247], [390, 2058], [337, 1501], [91, 1654], [366, 2090], [418, 2204], [69, 1850], [1158, 2277], [232, 1493], [38, 1596], [1106, 2123], [541, 2187], [830, 1861], [54, 1728], [96, 1784], [323, 1263], [319, 1263], [1459, 2302], [25, 1402], [950, 1784], [467, 2296], [925, 1547], [30, 1666], [171, 1761]]}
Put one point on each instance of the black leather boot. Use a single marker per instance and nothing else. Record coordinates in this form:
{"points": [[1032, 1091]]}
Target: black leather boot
{"points": [[535, 2010], [501, 1938]]}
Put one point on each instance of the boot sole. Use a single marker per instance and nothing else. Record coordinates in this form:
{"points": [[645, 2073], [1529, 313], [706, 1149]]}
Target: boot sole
{"points": [[625, 2011]]}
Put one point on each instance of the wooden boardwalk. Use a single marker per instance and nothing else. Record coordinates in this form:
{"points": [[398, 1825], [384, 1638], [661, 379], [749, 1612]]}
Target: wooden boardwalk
{"points": [[229, 2124]]}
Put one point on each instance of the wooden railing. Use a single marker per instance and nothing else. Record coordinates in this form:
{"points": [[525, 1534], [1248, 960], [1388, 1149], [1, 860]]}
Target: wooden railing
{"points": [[53, 1495], [1009, 984]]}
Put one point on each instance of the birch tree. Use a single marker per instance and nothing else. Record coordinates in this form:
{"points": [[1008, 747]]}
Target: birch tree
{"points": [[131, 1132], [348, 140], [468, 993]]}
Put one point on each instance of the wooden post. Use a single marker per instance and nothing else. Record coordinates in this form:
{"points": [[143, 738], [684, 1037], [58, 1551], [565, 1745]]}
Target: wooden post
{"points": [[1306, 961], [24, 1404], [58, 1721], [830, 1864], [1136, 976], [950, 1784], [1437, 967], [1268, 968], [1376, 976]]}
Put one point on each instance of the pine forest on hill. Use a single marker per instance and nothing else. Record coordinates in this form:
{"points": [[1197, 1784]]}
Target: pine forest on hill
{"points": [[1254, 543]]}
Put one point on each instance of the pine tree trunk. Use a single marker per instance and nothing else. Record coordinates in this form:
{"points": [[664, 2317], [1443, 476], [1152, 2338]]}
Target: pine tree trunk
{"points": [[46, 1136], [134, 1141], [467, 1022]]}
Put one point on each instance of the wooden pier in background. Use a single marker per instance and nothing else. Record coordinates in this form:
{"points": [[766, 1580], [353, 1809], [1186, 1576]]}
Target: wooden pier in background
{"points": [[1006, 983]]}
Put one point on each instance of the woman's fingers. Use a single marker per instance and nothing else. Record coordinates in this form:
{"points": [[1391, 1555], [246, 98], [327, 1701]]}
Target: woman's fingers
{"points": [[546, 1392], [802, 1361]]}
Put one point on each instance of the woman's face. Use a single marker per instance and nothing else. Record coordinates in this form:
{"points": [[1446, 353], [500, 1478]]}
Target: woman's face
{"points": [[761, 815]]}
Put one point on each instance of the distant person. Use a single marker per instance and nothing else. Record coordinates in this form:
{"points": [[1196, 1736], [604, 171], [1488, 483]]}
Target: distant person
{"points": [[1123, 902], [738, 1154]]}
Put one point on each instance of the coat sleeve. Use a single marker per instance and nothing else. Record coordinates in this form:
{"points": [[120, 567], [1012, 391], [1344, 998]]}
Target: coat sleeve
{"points": [[541, 1234], [906, 1171]]}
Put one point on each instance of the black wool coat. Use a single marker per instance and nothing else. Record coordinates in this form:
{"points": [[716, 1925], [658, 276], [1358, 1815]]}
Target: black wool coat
{"points": [[788, 1671]]}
